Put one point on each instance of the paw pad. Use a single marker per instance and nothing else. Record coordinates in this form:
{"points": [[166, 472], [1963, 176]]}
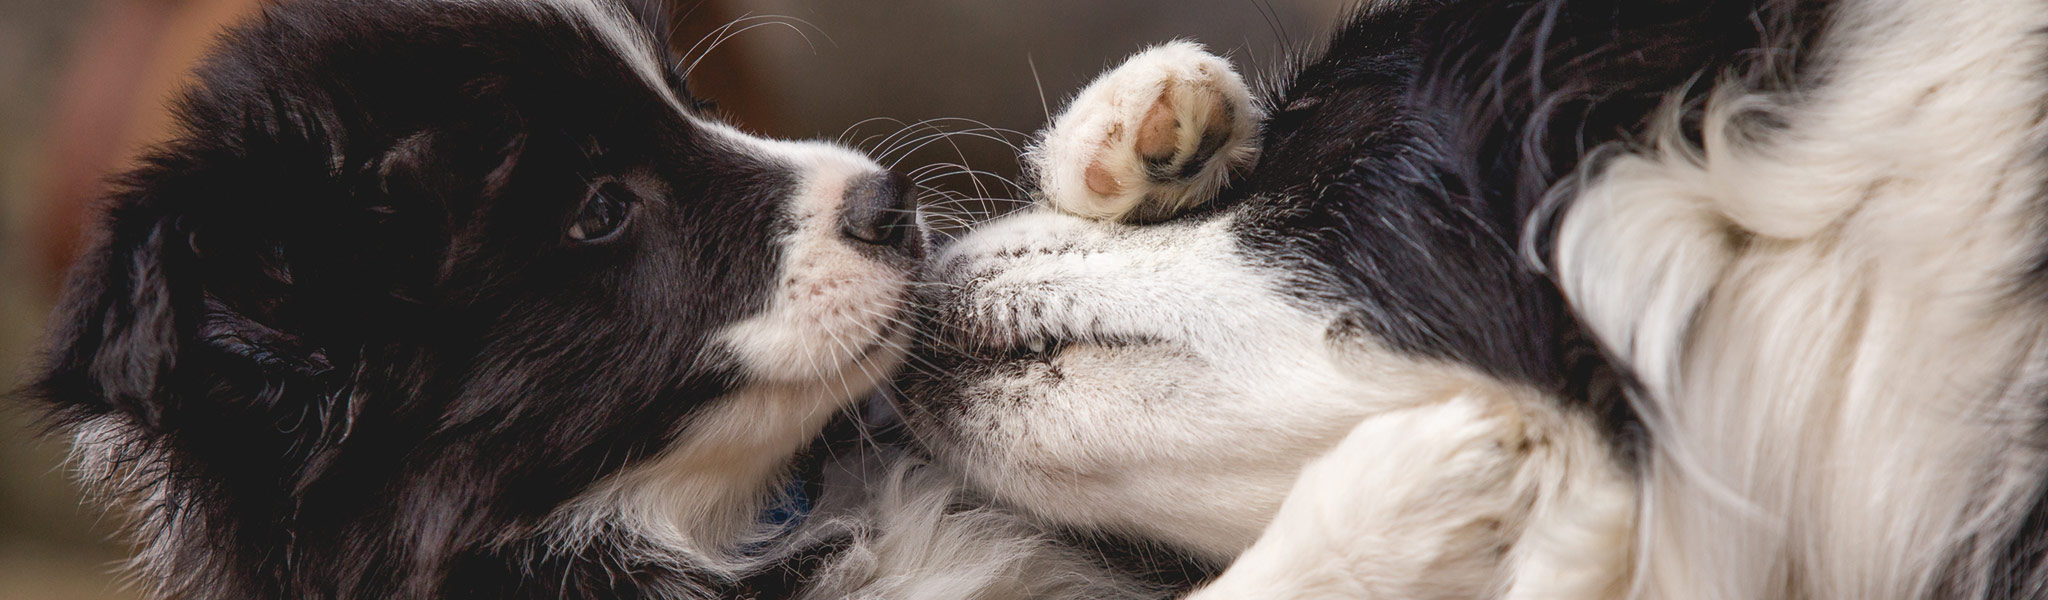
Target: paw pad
{"points": [[1150, 139]]}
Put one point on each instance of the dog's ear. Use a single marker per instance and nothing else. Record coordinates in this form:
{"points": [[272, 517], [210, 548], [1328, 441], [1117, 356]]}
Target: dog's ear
{"points": [[147, 306], [242, 269]]}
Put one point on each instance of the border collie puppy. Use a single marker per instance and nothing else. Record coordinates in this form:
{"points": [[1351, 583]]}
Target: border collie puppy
{"points": [[1535, 299], [472, 299]]}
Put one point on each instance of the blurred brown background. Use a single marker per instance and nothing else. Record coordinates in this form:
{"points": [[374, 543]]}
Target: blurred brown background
{"points": [[83, 83]]}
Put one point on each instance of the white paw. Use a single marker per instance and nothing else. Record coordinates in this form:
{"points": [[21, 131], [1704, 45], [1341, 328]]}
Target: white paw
{"points": [[1158, 135], [1418, 502], [1444, 465]]}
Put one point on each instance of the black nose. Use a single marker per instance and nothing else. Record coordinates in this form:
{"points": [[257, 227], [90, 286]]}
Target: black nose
{"points": [[878, 209]]}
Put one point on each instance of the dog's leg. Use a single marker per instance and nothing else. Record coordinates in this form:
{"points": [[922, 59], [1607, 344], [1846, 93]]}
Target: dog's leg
{"points": [[1470, 497], [1414, 503], [1151, 138], [1154, 137], [1157, 135]]}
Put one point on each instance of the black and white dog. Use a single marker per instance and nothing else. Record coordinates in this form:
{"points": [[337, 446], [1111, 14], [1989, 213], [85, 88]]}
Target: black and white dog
{"points": [[472, 299], [1535, 299]]}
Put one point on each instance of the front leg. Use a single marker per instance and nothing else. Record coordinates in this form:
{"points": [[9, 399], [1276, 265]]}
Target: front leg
{"points": [[1152, 138]]}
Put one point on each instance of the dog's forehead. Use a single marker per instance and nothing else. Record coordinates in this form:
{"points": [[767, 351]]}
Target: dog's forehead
{"points": [[612, 23], [626, 31]]}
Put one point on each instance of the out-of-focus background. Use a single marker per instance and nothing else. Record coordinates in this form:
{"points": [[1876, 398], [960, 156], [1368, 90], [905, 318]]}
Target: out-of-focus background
{"points": [[83, 85]]}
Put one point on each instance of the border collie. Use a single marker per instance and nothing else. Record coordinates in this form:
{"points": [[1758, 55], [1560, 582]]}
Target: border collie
{"points": [[473, 299], [1534, 299]]}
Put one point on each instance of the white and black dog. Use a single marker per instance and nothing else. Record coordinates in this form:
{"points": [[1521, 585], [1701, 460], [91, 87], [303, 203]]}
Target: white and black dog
{"points": [[1535, 299], [472, 299]]}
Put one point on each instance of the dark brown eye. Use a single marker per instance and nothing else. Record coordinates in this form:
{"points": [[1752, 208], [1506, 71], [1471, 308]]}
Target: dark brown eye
{"points": [[603, 214]]}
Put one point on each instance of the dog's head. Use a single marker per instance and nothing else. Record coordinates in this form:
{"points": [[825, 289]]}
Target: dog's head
{"points": [[450, 263]]}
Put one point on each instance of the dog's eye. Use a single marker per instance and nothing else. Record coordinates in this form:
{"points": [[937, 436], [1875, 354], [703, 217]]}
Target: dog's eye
{"points": [[603, 214]]}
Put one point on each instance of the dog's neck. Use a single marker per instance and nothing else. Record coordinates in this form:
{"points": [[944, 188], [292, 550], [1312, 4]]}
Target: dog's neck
{"points": [[719, 499]]}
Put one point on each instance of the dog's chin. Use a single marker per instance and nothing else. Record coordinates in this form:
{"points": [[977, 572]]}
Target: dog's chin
{"points": [[838, 316]]}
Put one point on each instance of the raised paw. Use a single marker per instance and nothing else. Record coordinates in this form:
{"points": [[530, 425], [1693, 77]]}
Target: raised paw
{"points": [[1154, 137]]}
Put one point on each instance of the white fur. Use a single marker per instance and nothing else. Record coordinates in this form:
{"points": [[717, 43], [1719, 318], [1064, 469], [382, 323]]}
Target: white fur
{"points": [[1196, 390], [702, 498], [106, 452], [1096, 446], [1840, 371], [1422, 502], [917, 543]]}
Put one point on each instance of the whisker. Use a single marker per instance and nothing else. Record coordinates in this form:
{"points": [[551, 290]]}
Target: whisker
{"points": [[979, 188], [932, 125], [1035, 81], [857, 124], [911, 355], [998, 134], [898, 147], [723, 36], [714, 34], [925, 140]]}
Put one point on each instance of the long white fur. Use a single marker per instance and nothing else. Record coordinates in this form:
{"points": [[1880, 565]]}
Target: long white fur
{"points": [[125, 472], [1840, 369], [916, 542]]}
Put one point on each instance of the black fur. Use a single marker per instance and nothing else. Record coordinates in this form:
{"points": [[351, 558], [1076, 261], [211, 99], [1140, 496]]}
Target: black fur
{"points": [[338, 324]]}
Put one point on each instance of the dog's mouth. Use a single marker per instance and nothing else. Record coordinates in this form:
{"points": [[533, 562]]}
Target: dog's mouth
{"points": [[963, 319], [1053, 347]]}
